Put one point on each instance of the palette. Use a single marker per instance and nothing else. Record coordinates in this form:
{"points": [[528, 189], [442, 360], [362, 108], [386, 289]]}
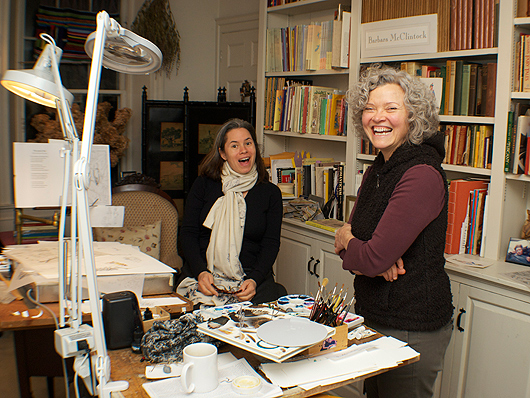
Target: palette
{"points": [[222, 324], [296, 304]]}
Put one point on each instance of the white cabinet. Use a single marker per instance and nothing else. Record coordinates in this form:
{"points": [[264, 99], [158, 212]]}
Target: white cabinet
{"points": [[489, 354], [306, 257]]}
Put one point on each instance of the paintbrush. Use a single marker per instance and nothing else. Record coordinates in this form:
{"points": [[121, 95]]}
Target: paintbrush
{"points": [[319, 294]]}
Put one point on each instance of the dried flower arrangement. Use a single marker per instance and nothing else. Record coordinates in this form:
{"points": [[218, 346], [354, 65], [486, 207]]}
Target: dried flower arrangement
{"points": [[155, 22], [105, 132]]}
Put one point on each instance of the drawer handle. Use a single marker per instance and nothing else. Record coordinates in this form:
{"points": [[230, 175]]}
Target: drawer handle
{"points": [[315, 268], [460, 328], [309, 265]]}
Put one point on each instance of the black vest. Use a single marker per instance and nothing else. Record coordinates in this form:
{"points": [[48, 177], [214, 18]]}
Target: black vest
{"points": [[421, 299]]}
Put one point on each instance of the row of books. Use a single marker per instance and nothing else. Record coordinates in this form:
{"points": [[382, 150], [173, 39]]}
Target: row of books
{"points": [[466, 222], [468, 145], [468, 89], [522, 64], [316, 46], [382, 10], [517, 154], [474, 24], [366, 147], [35, 231], [523, 9], [321, 178], [306, 109], [274, 3]]}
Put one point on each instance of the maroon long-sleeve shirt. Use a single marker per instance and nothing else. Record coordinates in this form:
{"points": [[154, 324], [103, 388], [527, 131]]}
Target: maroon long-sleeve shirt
{"points": [[421, 193]]}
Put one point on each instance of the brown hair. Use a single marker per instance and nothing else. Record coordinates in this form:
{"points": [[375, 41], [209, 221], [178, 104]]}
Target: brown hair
{"points": [[212, 164]]}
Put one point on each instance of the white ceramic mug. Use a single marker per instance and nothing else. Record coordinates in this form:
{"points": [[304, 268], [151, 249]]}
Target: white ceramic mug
{"points": [[199, 373]]}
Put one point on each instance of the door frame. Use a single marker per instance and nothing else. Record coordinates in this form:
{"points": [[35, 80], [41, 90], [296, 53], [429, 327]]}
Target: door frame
{"points": [[231, 25]]}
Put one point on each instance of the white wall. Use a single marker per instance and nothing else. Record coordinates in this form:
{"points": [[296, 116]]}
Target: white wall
{"points": [[196, 23]]}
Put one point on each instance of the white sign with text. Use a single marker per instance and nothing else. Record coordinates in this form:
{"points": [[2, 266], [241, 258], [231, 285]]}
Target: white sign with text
{"points": [[411, 35]]}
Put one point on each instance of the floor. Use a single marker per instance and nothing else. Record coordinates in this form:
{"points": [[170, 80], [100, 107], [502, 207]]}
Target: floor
{"points": [[8, 374], [9, 380]]}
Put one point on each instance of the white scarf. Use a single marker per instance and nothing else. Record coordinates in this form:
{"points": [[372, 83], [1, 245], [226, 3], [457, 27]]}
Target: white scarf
{"points": [[226, 219]]}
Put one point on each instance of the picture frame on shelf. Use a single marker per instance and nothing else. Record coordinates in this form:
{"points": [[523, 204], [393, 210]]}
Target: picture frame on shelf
{"points": [[518, 251]]}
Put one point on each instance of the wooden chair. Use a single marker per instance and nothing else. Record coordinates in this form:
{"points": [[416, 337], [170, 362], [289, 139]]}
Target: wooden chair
{"points": [[145, 204]]}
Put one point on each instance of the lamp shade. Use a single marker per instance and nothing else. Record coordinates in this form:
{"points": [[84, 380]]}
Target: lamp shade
{"points": [[127, 52], [37, 84]]}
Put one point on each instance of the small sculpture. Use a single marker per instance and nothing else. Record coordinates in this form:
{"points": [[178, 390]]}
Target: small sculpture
{"points": [[525, 231]]}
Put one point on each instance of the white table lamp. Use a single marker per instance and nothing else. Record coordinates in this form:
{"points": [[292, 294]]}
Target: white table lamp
{"points": [[122, 50]]}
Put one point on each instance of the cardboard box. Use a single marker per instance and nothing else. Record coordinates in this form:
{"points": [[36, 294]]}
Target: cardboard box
{"points": [[337, 342], [158, 315]]}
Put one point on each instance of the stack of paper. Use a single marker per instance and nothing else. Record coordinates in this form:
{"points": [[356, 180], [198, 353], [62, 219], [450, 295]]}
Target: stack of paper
{"points": [[355, 361]]}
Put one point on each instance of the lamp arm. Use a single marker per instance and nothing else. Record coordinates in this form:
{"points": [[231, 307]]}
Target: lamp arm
{"points": [[71, 154], [82, 180]]}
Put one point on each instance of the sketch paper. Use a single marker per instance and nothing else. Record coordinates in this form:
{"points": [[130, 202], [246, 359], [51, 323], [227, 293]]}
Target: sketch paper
{"points": [[385, 352], [107, 216], [38, 170], [112, 258]]}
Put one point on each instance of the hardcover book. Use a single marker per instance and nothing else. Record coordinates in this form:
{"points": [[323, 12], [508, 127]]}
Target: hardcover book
{"points": [[458, 203]]}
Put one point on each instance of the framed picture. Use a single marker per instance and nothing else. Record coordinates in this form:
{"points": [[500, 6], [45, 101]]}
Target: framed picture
{"points": [[172, 137], [163, 146], [177, 135], [518, 251], [207, 133]]}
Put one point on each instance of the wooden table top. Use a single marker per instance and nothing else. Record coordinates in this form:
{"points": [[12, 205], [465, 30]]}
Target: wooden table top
{"points": [[128, 366]]}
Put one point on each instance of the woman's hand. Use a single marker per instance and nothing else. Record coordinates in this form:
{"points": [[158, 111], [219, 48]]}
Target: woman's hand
{"points": [[394, 271], [247, 290], [342, 238], [205, 280]]}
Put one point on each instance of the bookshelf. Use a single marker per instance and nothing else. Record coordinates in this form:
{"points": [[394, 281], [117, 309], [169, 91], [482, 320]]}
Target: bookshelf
{"points": [[503, 221], [325, 146], [487, 301], [508, 198]]}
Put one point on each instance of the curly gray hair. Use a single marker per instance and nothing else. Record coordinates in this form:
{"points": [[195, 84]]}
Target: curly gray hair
{"points": [[419, 100]]}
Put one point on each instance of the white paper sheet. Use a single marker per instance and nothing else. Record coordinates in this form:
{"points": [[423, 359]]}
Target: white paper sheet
{"points": [[160, 301], [112, 258], [172, 388], [382, 353], [107, 216], [39, 171]]}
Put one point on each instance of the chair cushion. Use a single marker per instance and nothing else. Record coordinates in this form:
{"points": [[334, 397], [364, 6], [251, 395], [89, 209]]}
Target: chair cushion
{"points": [[146, 237]]}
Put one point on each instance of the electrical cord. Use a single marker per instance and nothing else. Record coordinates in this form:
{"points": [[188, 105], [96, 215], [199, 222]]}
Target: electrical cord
{"points": [[54, 317]]}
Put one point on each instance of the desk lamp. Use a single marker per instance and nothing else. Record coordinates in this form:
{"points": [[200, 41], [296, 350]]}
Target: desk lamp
{"points": [[43, 85], [116, 48]]}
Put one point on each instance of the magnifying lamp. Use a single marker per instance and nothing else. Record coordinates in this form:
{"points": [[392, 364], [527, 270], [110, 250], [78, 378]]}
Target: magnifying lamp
{"points": [[122, 50], [116, 48]]}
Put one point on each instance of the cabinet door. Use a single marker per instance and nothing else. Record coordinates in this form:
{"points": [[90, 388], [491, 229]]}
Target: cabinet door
{"points": [[330, 266], [491, 352], [292, 262], [445, 386]]}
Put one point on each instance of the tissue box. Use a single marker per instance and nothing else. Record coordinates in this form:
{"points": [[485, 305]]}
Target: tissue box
{"points": [[158, 315], [337, 342]]}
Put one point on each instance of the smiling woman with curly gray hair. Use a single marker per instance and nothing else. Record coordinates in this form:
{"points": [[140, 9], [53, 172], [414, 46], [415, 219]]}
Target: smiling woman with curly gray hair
{"points": [[419, 100], [395, 238]]}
